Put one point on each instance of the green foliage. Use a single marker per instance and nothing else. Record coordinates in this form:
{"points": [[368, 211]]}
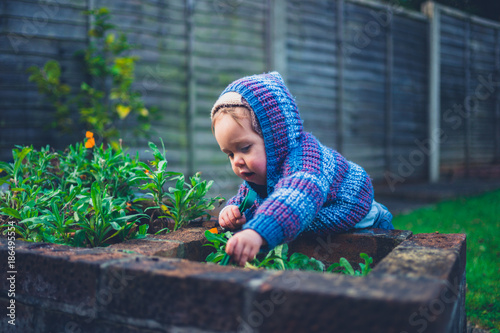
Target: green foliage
{"points": [[48, 81], [478, 217], [345, 266], [87, 197], [107, 99], [185, 201], [279, 259]]}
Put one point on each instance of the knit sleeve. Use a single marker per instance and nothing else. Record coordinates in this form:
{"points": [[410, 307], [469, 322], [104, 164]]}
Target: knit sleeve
{"points": [[293, 204], [238, 198]]}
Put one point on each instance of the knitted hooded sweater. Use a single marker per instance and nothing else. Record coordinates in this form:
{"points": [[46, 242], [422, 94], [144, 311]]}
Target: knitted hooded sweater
{"points": [[310, 187]]}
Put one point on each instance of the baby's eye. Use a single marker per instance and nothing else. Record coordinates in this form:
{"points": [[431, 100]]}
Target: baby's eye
{"points": [[230, 155], [245, 149]]}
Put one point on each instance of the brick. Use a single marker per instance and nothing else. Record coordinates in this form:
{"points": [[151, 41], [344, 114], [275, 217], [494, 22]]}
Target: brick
{"points": [[455, 242], [179, 292], [314, 302], [151, 247], [418, 285], [24, 317], [193, 239], [55, 321], [58, 273], [427, 255]]}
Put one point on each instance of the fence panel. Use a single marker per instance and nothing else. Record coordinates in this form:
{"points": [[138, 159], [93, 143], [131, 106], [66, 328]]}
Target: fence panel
{"points": [[358, 69], [453, 91], [158, 31], [482, 132], [364, 89], [409, 86], [312, 66], [32, 33], [229, 43], [469, 63]]}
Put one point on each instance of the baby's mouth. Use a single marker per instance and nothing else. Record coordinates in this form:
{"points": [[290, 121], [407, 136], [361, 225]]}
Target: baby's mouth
{"points": [[247, 174]]}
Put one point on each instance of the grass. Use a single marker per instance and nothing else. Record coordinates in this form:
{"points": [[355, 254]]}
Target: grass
{"points": [[479, 218]]}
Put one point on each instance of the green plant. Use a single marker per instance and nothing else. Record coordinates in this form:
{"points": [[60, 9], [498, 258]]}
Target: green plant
{"points": [[87, 196], [279, 259], [189, 200], [106, 220], [345, 266], [155, 177], [184, 201], [108, 98], [48, 81]]}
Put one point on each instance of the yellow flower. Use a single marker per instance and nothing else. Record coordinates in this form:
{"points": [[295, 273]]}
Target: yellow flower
{"points": [[122, 111], [110, 39], [144, 112]]}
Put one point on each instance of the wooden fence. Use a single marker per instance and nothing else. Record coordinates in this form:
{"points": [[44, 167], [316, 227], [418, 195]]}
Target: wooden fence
{"points": [[365, 76]]}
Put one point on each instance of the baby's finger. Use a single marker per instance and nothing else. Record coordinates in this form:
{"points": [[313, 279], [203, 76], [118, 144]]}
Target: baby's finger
{"points": [[223, 222], [245, 256], [230, 246], [230, 223], [242, 220]]}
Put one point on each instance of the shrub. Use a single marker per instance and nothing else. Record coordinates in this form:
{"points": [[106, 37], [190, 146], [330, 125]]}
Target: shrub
{"points": [[105, 100], [88, 195]]}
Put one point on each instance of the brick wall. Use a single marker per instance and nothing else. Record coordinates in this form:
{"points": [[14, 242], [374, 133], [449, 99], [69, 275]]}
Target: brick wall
{"points": [[157, 285]]}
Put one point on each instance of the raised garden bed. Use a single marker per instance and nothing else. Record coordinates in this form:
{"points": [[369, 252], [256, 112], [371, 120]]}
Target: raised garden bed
{"points": [[159, 284]]}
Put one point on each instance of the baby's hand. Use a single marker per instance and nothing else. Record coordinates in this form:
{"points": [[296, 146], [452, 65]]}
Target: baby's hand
{"points": [[244, 246], [231, 218]]}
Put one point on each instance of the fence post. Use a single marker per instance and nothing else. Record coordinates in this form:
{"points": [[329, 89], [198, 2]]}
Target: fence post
{"points": [[434, 112], [276, 37]]}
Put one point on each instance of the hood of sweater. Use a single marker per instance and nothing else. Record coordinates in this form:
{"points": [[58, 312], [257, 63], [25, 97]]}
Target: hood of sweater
{"points": [[278, 116]]}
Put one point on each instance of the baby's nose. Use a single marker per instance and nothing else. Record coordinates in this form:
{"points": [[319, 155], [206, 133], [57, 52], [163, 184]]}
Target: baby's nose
{"points": [[238, 160]]}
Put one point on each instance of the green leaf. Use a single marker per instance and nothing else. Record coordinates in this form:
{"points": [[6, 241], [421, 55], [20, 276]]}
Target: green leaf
{"points": [[115, 225], [11, 212], [20, 157], [248, 201], [79, 239], [225, 259], [347, 265], [215, 237], [333, 267]]}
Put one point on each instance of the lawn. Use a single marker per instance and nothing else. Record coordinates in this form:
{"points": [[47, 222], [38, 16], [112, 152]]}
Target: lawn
{"points": [[479, 218]]}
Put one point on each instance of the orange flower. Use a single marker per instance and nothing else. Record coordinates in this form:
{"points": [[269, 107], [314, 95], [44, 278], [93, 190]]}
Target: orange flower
{"points": [[214, 230], [90, 142]]}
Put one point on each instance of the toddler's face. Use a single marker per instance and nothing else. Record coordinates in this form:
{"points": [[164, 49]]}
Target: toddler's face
{"points": [[244, 147]]}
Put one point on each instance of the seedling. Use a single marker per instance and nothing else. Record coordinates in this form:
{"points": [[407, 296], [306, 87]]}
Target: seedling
{"points": [[278, 258]]}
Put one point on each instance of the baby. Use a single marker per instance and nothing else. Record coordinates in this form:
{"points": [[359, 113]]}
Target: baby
{"points": [[301, 185]]}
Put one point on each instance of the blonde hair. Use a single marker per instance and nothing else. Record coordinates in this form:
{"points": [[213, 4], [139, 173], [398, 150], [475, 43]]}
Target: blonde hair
{"points": [[238, 113]]}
